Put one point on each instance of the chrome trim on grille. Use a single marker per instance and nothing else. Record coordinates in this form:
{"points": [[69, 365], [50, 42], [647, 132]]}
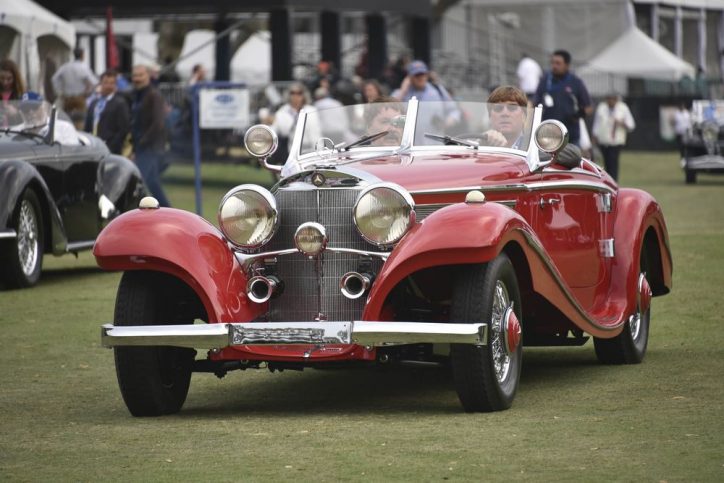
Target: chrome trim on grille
{"points": [[217, 336], [312, 286]]}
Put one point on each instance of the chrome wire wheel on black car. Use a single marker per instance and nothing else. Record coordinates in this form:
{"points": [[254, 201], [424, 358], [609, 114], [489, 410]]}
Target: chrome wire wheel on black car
{"points": [[153, 380], [23, 258], [486, 377], [629, 347]]}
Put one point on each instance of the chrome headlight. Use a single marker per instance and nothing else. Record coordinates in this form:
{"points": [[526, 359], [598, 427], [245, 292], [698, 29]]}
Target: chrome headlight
{"points": [[248, 216], [261, 141], [551, 136], [383, 213]]}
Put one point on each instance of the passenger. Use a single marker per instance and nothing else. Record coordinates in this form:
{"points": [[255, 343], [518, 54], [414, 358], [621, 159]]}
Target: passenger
{"points": [[385, 114], [507, 113], [371, 90]]}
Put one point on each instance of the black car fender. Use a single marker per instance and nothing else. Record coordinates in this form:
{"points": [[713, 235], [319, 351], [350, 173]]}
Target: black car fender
{"points": [[120, 181], [15, 177]]}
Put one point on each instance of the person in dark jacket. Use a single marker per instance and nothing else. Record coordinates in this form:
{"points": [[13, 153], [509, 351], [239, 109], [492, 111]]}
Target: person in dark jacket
{"points": [[148, 131], [109, 116], [564, 95]]}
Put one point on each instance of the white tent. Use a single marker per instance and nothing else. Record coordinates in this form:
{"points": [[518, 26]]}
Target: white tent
{"points": [[199, 48], [251, 63], [635, 54], [34, 38]]}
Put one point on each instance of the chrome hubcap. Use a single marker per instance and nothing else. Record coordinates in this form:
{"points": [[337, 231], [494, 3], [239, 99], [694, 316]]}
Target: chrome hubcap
{"points": [[501, 357], [27, 238], [634, 325]]}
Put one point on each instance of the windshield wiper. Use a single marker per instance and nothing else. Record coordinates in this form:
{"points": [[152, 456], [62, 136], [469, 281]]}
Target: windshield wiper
{"points": [[25, 132], [452, 139], [363, 140]]}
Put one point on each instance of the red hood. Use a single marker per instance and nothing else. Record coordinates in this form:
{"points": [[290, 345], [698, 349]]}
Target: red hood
{"points": [[430, 171]]}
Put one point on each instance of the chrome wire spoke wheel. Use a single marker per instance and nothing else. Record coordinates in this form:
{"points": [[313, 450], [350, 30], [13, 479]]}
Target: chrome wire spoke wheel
{"points": [[501, 358], [634, 326], [27, 237], [486, 376]]}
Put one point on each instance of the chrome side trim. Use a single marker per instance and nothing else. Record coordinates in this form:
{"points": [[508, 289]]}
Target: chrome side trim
{"points": [[8, 234], [216, 336], [537, 186], [607, 248], [559, 280], [604, 203]]}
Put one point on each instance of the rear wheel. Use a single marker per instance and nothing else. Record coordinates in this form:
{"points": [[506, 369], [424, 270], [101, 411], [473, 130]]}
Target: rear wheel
{"points": [[22, 258], [629, 347], [153, 380], [690, 176], [486, 377]]}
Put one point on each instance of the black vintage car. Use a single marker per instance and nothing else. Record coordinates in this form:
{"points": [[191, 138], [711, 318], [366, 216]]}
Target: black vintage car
{"points": [[58, 189]]}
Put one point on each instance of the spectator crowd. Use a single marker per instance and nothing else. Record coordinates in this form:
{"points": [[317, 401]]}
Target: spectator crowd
{"points": [[134, 119]]}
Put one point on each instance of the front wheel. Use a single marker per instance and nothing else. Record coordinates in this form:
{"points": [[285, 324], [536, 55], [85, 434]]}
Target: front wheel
{"points": [[153, 380], [22, 258], [486, 377]]}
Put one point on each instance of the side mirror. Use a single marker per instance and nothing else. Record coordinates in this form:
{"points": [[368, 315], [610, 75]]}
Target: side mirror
{"points": [[261, 142]]}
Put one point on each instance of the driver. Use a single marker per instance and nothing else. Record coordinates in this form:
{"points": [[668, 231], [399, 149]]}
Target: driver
{"points": [[35, 119], [507, 111], [385, 114]]}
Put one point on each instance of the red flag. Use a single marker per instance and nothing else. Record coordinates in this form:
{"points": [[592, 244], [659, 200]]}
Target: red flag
{"points": [[112, 61]]}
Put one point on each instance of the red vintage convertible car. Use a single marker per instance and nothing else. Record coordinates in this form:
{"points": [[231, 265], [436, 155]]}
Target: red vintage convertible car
{"points": [[395, 233]]}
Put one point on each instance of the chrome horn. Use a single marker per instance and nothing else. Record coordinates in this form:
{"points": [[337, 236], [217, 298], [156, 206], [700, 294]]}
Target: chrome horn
{"points": [[354, 284], [259, 289]]}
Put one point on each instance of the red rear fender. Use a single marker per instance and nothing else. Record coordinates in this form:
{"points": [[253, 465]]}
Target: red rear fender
{"points": [[184, 245]]}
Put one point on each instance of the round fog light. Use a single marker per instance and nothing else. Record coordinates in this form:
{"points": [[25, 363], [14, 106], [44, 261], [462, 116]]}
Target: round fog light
{"points": [[310, 238]]}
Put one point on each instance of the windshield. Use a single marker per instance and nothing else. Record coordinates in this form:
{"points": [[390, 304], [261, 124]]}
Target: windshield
{"points": [[505, 125], [349, 125], [381, 125], [32, 118]]}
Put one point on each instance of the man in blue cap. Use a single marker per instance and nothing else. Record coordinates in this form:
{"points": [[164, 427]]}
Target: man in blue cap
{"points": [[417, 84]]}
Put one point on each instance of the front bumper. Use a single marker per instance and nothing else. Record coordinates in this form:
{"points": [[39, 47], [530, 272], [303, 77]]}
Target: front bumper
{"points": [[218, 336]]}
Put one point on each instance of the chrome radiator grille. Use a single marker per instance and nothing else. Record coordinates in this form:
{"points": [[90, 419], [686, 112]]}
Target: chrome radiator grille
{"points": [[312, 286]]}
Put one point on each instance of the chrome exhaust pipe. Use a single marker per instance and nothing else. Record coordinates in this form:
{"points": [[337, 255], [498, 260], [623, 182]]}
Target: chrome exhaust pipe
{"points": [[259, 289], [354, 285]]}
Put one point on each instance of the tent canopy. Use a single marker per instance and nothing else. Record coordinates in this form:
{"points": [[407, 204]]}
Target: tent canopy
{"points": [[29, 18], [34, 38], [635, 54]]}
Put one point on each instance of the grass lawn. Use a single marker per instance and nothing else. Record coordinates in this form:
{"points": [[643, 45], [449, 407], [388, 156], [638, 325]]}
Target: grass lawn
{"points": [[62, 417]]}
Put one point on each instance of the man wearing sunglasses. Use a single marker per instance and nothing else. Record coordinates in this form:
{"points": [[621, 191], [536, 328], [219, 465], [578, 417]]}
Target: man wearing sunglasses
{"points": [[507, 110]]}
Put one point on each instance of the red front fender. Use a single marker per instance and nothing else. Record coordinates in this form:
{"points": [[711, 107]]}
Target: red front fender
{"points": [[455, 235], [186, 246]]}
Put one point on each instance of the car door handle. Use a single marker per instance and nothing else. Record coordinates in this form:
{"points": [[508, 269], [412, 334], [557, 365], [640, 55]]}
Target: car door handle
{"points": [[548, 202]]}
